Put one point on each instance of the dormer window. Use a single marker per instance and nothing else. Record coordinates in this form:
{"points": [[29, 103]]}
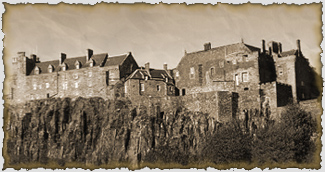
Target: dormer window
{"points": [[50, 68], [64, 67], [77, 64], [36, 70], [91, 63]]}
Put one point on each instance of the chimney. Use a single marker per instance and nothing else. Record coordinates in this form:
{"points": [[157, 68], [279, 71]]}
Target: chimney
{"points": [[207, 46], [298, 46], [21, 54], [33, 57], [63, 57], [147, 66], [263, 45], [90, 53], [280, 47], [165, 66]]}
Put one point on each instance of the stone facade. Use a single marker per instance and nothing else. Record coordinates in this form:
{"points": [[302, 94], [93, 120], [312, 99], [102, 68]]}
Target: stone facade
{"points": [[259, 76], [227, 82], [86, 76], [150, 82]]}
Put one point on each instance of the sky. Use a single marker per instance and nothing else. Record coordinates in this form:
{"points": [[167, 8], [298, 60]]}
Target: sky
{"points": [[155, 33]]}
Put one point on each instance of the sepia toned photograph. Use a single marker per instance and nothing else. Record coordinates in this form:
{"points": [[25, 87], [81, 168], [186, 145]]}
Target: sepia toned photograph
{"points": [[168, 86]]}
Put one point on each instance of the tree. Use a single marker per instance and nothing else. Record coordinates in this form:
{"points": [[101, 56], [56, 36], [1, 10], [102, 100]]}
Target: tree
{"points": [[286, 140], [228, 145]]}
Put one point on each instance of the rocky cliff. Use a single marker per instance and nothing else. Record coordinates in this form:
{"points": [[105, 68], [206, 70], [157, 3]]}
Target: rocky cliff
{"points": [[98, 132]]}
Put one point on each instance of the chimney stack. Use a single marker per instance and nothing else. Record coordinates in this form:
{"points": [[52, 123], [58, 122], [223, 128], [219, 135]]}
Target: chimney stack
{"points": [[280, 47], [207, 46], [298, 46], [90, 53], [263, 45], [33, 57], [63, 57], [165, 66], [147, 66]]}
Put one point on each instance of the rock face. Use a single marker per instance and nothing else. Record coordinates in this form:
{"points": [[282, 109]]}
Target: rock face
{"points": [[95, 131]]}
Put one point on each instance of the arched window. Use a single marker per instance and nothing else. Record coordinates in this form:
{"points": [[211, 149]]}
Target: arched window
{"points": [[77, 64], [50, 68], [37, 71]]}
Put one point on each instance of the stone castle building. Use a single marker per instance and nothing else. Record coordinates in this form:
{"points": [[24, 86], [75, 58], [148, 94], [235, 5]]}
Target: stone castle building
{"points": [[226, 80], [93, 75]]}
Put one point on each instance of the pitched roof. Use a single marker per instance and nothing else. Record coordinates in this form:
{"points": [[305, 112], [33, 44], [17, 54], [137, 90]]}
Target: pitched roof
{"points": [[43, 66], [98, 59], [116, 60], [153, 74], [231, 48], [289, 53], [217, 53], [70, 62]]}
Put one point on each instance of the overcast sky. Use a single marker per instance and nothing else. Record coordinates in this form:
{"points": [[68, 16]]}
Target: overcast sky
{"points": [[156, 33]]}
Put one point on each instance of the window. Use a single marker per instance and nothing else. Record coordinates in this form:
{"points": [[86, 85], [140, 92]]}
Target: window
{"points": [[212, 71], [177, 74], [302, 83], [91, 64], [75, 76], [221, 64], [47, 85], [34, 86], [40, 86], [158, 87], [76, 85], [107, 78], [142, 87], [63, 67], [245, 76], [245, 58], [237, 79], [146, 78], [234, 61], [192, 72], [126, 89], [65, 85], [183, 92], [171, 89], [50, 69], [77, 64], [280, 71], [36, 70], [90, 74]]}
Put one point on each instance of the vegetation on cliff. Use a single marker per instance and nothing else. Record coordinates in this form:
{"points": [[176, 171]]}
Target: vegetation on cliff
{"points": [[95, 131]]}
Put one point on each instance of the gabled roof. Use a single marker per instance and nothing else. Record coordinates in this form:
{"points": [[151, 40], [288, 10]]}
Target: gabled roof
{"points": [[289, 53], [159, 74], [43, 66], [116, 60]]}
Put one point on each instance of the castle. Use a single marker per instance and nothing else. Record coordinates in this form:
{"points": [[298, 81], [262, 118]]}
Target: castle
{"points": [[235, 78]]}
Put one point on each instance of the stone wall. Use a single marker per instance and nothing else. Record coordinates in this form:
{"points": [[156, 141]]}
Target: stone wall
{"points": [[152, 87], [221, 105]]}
